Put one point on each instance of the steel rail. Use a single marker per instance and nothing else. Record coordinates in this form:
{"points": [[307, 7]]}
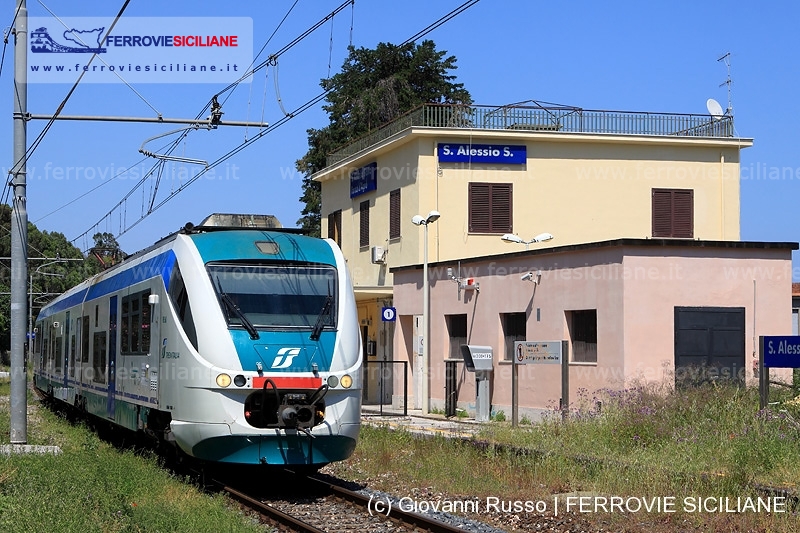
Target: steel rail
{"points": [[271, 512], [396, 514]]}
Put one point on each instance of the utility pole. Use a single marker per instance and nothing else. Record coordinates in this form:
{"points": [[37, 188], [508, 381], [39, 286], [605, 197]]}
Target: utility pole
{"points": [[19, 232]]}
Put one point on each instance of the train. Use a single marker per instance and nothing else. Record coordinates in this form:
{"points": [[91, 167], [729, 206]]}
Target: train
{"points": [[234, 341]]}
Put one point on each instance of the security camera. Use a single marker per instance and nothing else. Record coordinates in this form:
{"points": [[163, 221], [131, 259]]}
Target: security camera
{"points": [[527, 277]]}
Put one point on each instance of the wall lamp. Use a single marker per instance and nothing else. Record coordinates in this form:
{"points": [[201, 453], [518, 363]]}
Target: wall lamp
{"points": [[418, 220], [542, 237]]}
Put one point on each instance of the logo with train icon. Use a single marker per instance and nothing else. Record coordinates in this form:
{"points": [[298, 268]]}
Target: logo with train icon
{"points": [[42, 43]]}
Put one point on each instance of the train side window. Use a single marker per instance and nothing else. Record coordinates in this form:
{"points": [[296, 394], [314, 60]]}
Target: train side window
{"points": [[85, 340], [145, 339], [99, 357], [96, 314], [124, 329], [72, 355], [135, 328], [59, 354], [180, 300]]}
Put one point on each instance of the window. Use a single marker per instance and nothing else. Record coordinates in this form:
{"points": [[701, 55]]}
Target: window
{"points": [[180, 301], [513, 330], [394, 214], [99, 357], [59, 354], [457, 331], [364, 224], [490, 207], [276, 296], [72, 355], [583, 331], [85, 340], [135, 327], [335, 227], [673, 213]]}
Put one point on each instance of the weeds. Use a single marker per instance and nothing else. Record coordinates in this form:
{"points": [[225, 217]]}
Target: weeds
{"points": [[93, 486], [644, 441]]}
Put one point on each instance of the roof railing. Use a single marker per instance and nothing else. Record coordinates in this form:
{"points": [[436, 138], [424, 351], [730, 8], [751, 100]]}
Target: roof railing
{"points": [[533, 116]]}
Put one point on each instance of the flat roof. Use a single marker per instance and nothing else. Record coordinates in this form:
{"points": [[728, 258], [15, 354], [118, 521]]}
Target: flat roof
{"points": [[641, 243], [534, 117]]}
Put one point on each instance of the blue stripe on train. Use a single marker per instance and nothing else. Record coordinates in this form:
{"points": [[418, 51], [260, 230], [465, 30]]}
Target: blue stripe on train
{"points": [[160, 265]]}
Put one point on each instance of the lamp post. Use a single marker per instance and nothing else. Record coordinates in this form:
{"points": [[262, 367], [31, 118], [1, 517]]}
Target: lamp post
{"points": [[542, 237], [30, 301], [418, 220]]}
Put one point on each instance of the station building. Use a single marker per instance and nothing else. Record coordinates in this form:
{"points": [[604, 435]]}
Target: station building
{"points": [[617, 190]]}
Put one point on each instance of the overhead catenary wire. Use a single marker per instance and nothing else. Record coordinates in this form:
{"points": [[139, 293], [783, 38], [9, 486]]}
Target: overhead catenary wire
{"points": [[117, 74], [198, 116], [35, 144], [287, 116], [230, 88]]}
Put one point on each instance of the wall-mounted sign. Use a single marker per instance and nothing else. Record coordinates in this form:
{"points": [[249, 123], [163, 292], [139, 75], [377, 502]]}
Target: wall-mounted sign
{"points": [[541, 352], [364, 180], [482, 153]]}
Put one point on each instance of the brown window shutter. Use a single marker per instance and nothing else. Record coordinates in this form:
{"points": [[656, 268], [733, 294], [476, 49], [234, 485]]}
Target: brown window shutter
{"points": [[332, 226], [683, 214], [501, 208], [479, 207], [364, 224], [673, 213], [394, 214], [662, 213], [335, 227], [490, 207]]}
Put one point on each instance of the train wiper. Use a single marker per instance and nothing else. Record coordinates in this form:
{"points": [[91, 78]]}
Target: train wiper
{"points": [[326, 310], [231, 305]]}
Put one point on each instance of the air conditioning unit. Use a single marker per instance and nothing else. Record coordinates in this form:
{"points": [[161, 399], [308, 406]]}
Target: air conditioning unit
{"points": [[378, 254]]}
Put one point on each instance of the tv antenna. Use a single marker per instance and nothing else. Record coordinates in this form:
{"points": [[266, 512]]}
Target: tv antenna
{"points": [[728, 81]]}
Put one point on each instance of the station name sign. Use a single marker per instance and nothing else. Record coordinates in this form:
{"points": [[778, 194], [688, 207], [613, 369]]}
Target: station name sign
{"points": [[782, 351], [364, 180], [482, 153]]}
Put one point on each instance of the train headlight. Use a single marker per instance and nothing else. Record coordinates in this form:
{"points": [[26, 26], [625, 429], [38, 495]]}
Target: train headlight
{"points": [[347, 381], [239, 380], [333, 381], [223, 380]]}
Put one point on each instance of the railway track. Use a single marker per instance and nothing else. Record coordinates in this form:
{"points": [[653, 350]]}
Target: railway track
{"points": [[324, 507]]}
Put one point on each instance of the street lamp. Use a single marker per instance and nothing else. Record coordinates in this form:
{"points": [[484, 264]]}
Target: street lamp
{"points": [[542, 237], [418, 220], [30, 301]]}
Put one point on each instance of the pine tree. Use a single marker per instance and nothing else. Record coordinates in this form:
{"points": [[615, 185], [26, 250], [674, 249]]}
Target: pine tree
{"points": [[373, 88]]}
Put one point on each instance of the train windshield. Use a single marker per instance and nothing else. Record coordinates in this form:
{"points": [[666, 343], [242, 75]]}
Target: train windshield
{"points": [[276, 296]]}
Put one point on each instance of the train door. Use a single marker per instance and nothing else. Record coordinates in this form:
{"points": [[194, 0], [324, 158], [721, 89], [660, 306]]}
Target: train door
{"points": [[112, 357], [86, 338], [76, 350]]}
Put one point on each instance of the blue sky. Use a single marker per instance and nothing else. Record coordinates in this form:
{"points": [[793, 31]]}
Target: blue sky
{"points": [[638, 56]]}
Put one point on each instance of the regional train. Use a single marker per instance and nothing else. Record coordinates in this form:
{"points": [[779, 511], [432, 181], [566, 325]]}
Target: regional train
{"points": [[235, 344]]}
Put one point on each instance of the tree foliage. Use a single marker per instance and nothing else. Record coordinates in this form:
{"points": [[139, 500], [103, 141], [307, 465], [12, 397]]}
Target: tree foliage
{"points": [[374, 87], [49, 277]]}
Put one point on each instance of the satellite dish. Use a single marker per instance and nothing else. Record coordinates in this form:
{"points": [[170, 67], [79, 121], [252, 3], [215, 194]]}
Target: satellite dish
{"points": [[714, 109]]}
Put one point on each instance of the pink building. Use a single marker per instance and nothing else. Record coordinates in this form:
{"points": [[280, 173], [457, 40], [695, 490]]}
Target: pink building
{"points": [[631, 310]]}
